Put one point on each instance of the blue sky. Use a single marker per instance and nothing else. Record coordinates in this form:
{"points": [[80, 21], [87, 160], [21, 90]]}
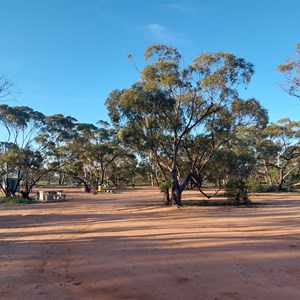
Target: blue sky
{"points": [[66, 56]]}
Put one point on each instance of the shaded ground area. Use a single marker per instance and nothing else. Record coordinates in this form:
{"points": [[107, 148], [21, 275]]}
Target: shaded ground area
{"points": [[128, 246]]}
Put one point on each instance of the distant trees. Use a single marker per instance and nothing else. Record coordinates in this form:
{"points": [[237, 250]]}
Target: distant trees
{"points": [[31, 148], [221, 152], [35, 146], [94, 151], [278, 153], [17, 155], [291, 70]]}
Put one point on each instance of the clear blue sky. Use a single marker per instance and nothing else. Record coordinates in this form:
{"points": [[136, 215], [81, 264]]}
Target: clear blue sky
{"points": [[67, 55]]}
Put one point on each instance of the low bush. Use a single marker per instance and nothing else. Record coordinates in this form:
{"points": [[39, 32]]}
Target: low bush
{"points": [[236, 190], [15, 201]]}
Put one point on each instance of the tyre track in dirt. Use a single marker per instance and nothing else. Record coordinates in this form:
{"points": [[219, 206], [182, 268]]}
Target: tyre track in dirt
{"points": [[57, 282]]}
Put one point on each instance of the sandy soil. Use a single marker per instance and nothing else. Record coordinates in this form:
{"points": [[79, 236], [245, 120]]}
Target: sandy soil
{"points": [[128, 246]]}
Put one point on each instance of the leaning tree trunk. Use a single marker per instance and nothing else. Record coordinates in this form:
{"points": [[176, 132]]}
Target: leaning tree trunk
{"points": [[281, 180], [176, 190]]}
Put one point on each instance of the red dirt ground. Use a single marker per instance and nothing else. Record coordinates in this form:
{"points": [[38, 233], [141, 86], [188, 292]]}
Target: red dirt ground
{"points": [[129, 246]]}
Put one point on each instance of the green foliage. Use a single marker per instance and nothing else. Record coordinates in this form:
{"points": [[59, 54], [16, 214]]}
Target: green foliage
{"points": [[95, 152], [291, 70], [15, 201], [165, 186], [278, 153], [221, 69], [35, 144], [236, 189], [254, 185], [230, 163], [122, 170]]}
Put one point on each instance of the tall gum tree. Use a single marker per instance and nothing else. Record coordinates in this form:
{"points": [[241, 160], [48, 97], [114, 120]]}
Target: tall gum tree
{"points": [[172, 101], [21, 124], [32, 145]]}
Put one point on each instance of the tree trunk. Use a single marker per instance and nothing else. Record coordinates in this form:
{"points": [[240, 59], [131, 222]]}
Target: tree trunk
{"points": [[87, 188], [152, 179], [281, 180], [168, 199], [268, 175], [175, 187], [176, 191], [25, 195], [61, 178]]}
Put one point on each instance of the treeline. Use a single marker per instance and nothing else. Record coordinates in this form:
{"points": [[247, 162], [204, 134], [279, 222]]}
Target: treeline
{"points": [[181, 126], [57, 148]]}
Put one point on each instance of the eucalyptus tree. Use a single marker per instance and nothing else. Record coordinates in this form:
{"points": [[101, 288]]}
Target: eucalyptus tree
{"points": [[123, 170], [224, 134], [22, 124], [95, 148], [279, 152], [291, 70], [173, 101], [57, 132], [32, 145], [51, 142]]}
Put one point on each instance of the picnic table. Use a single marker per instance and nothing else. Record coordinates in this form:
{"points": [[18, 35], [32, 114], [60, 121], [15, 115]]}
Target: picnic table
{"points": [[50, 195]]}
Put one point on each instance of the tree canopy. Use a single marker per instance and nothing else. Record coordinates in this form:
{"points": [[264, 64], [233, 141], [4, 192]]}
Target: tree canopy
{"points": [[291, 70]]}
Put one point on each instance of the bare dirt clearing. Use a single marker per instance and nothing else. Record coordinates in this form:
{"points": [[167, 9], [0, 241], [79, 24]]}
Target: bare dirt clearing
{"points": [[128, 246]]}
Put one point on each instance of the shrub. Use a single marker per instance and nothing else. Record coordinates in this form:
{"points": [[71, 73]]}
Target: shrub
{"points": [[15, 200], [236, 189], [164, 188], [254, 186]]}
